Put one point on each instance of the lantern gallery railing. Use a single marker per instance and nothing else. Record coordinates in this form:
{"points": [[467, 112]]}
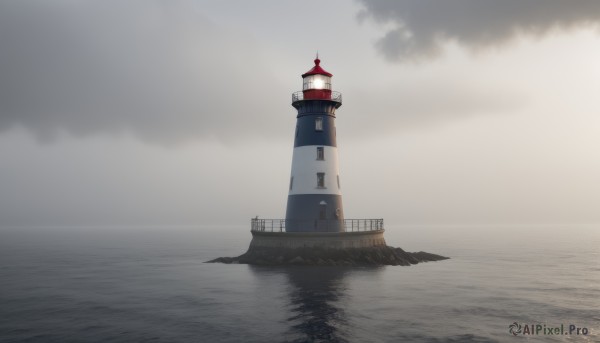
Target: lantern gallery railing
{"points": [[349, 225], [335, 96]]}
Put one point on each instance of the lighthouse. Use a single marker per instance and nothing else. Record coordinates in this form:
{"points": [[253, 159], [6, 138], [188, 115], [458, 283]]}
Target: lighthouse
{"points": [[314, 202], [314, 231], [315, 214]]}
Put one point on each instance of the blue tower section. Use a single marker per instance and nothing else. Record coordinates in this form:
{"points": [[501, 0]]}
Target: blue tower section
{"points": [[315, 200]]}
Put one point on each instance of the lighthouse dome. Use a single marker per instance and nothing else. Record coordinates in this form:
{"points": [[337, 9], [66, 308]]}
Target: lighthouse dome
{"points": [[317, 70]]}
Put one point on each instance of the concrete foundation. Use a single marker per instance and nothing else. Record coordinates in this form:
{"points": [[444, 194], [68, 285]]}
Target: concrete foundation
{"points": [[331, 240]]}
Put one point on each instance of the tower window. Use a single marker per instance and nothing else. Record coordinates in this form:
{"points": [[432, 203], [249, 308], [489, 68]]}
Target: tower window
{"points": [[291, 183], [319, 124], [338, 180], [320, 153], [320, 180]]}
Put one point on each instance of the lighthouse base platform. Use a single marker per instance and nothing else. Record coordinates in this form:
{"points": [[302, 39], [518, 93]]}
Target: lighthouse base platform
{"points": [[332, 240], [325, 248]]}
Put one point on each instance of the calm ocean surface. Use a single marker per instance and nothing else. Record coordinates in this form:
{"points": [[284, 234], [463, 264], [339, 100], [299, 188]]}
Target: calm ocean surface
{"points": [[151, 285]]}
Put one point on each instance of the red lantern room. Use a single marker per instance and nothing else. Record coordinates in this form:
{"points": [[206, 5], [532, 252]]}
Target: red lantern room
{"points": [[316, 83]]}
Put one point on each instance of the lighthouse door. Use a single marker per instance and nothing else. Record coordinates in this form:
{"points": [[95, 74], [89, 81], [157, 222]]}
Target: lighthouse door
{"points": [[323, 211], [322, 216]]}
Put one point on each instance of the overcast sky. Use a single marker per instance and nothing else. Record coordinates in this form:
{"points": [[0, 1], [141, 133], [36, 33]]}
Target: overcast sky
{"points": [[178, 112]]}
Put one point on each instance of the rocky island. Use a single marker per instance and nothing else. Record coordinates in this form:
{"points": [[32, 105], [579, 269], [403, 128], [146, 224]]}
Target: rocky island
{"points": [[312, 256]]}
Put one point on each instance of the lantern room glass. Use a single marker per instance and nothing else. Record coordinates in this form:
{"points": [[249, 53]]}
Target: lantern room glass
{"points": [[317, 82]]}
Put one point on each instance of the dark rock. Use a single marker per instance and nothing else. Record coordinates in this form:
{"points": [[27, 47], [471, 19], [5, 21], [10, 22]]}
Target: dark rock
{"points": [[382, 255]]}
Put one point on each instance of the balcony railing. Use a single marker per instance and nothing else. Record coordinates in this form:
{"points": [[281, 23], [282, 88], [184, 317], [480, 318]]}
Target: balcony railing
{"points": [[335, 96], [348, 225]]}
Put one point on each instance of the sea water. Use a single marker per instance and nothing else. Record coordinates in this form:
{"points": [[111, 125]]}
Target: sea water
{"points": [[132, 284]]}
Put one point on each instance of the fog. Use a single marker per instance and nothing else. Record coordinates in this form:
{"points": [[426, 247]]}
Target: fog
{"points": [[178, 113]]}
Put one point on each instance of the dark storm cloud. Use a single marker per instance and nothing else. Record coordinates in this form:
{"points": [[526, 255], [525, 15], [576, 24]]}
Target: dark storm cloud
{"points": [[422, 27], [159, 70]]}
